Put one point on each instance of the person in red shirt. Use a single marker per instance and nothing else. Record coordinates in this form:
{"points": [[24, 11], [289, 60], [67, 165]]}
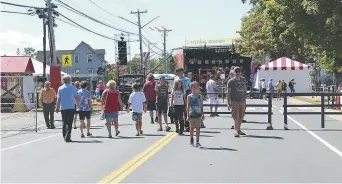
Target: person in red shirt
{"points": [[111, 102], [150, 94]]}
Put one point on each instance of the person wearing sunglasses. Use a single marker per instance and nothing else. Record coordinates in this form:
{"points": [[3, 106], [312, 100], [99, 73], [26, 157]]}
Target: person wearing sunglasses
{"points": [[236, 99]]}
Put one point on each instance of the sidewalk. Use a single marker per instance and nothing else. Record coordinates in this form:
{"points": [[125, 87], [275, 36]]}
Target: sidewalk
{"points": [[315, 100]]}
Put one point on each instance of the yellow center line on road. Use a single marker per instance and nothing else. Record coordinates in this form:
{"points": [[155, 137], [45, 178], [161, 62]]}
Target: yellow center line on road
{"points": [[131, 163], [143, 160]]}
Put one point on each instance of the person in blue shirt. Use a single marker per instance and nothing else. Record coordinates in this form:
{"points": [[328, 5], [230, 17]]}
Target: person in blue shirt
{"points": [[67, 101], [270, 85], [185, 80], [85, 107]]}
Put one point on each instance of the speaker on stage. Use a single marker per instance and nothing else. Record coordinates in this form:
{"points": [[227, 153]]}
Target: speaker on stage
{"points": [[122, 49]]}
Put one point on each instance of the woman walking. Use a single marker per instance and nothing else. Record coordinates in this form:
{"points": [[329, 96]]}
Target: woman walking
{"points": [[85, 107], [111, 102], [177, 100]]}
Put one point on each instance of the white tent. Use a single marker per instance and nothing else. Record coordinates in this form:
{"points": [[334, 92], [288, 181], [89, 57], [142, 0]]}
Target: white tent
{"points": [[38, 68], [286, 69]]}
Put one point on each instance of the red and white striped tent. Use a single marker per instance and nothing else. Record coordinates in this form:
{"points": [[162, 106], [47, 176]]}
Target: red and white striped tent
{"points": [[285, 69]]}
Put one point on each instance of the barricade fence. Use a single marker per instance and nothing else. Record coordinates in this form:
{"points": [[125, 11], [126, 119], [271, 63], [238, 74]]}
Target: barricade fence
{"points": [[322, 106], [18, 103]]}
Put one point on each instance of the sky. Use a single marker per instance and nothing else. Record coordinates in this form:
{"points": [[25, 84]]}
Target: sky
{"points": [[188, 20]]}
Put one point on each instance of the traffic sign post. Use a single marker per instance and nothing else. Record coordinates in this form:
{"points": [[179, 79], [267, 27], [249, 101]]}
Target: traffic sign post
{"points": [[67, 60]]}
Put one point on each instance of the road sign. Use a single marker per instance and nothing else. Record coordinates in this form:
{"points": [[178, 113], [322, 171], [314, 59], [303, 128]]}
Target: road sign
{"points": [[67, 60]]}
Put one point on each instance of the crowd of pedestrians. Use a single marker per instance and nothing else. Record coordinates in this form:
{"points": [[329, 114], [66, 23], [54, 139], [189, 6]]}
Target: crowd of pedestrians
{"points": [[185, 107]]}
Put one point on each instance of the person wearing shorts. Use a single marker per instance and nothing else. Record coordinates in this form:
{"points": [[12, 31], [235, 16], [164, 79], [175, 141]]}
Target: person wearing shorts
{"points": [[77, 85], [194, 110], [236, 100], [150, 95], [111, 102], [85, 107], [138, 102], [213, 100], [162, 100]]}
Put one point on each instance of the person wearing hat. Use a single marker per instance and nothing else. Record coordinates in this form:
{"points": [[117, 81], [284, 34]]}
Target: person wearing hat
{"points": [[236, 99]]}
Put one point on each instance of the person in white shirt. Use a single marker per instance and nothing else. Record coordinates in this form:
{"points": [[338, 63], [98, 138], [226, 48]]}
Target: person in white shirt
{"points": [[138, 102], [213, 100], [263, 89], [177, 100]]}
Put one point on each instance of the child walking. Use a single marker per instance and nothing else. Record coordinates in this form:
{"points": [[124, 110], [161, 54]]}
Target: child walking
{"points": [[138, 102], [177, 100], [195, 115]]}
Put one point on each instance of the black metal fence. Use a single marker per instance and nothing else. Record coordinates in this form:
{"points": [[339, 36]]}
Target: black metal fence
{"points": [[269, 112], [322, 106]]}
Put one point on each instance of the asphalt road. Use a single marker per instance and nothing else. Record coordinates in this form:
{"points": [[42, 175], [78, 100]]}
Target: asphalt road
{"points": [[305, 153]]}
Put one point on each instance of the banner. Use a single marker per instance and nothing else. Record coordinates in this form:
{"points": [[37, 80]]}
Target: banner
{"points": [[214, 42]]}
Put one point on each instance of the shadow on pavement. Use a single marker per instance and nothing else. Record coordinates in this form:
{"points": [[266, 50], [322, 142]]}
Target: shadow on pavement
{"points": [[210, 132], [219, 128], [263, 137], [255, 122], [200, 135], [219, 149], [94, 141], [127, 137], [153, 135], [295, 129]]}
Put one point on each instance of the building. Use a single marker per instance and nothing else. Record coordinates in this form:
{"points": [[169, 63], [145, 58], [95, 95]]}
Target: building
{"points": [[85, 61]]}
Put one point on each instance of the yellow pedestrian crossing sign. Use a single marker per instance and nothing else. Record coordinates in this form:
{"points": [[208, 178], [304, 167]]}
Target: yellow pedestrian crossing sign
{"points": [[67, 60]]}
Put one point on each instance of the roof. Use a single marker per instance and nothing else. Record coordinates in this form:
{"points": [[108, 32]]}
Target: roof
{"points": [[59, 53], [16, 64], [284, 64]]}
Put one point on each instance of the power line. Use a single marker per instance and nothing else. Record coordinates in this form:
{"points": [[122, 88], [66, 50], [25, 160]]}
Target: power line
{"points": [[84, 28], [13, 12], [20, 5], [91, 18], [103, 9]]}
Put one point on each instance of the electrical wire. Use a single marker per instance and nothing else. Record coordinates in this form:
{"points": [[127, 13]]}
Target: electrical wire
{"points": [[20, 5], [91, 18], [13, 12]]}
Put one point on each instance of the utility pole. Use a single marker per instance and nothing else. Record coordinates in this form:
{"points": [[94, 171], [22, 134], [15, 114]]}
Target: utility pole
{"points": [[142, 65], [55, 70], [165, 31], [140, 40]]}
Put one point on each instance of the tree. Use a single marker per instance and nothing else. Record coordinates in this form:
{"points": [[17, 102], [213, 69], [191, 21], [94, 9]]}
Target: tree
{"points": [[298, 29], [18, 52], [29, 51]]}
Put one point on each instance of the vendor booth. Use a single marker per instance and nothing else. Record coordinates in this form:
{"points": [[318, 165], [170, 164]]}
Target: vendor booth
{"points": [[285, 69]]}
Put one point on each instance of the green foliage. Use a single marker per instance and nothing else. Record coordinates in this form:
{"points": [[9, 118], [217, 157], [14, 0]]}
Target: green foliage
{"points": [[29, 51], [298, 29], [18, 52]]}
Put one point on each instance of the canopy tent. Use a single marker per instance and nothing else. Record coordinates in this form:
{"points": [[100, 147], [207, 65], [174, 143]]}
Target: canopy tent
{"points": [[167, 76], [38, 67], [285, 69]]}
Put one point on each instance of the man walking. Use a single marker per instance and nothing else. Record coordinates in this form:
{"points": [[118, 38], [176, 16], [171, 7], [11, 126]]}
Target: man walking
{"points": [[48, 99], [150, 94], [162, 100], [236, 99], [67, 100], [213, 100]]}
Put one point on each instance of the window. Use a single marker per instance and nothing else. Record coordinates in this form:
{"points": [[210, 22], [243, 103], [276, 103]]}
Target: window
{"points": [[89, 58], [90, 70], [76, 58], [76, 71]]}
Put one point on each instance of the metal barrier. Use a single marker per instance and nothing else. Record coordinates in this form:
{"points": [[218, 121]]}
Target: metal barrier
{"points": [[269, 111], [322, 106]]}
